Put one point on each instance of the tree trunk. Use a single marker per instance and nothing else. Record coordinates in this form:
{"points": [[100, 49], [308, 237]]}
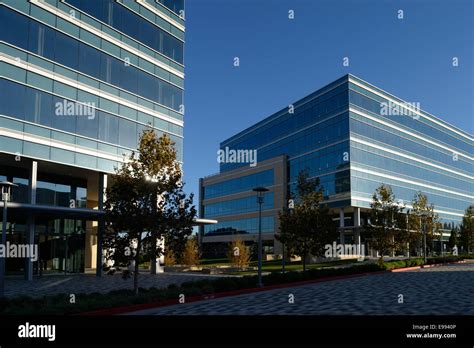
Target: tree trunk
{"points": [[137, 260], [304, 261]]}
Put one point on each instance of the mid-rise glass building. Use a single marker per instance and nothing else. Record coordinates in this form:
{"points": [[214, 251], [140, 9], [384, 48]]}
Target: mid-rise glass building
{"points": [[80, 81], [354, 137]]}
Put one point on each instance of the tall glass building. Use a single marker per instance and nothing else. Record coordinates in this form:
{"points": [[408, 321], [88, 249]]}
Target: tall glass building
{"points": [[354, 137], [80, 81]]}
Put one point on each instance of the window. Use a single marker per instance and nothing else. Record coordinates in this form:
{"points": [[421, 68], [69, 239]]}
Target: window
{"points": [[13, 27], [11, 93], [108, 127], [127, 133], [88, 60], [62, 121], [66, 51]]}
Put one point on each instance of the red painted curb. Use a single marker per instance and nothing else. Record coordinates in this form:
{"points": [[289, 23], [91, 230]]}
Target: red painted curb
{"points": [[404, 269], [195, 298]]}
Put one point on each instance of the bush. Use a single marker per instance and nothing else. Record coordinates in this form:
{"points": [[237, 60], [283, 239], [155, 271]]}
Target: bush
{"points": [[239, 254], [190, 255]]}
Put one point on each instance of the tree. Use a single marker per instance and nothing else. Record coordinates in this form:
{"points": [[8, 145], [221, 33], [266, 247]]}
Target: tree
{"points": [[453, 238], [170, 259], [466, 234], [423, 218], [239, 253], [386, 229], [190, 255], [146, 204], [308, 227]]}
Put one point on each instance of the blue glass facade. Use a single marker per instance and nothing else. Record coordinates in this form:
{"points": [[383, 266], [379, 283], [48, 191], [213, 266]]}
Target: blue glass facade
{"points": [[80, 80], [354, 137]]}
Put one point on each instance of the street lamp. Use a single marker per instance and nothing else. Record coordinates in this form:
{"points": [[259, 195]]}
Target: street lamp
{"points": [[5, 187], [260, 191], [291, 208]]}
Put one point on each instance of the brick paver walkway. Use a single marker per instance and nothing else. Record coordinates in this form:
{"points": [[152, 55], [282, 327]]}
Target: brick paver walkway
{"points": [[88, 283], [441, 290]]}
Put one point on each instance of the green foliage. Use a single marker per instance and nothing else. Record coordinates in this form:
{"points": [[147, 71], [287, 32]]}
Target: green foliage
{"points": [[453, 238], [387, 228], [146, 204], [422, 216], [466, 234], [308, 227]]}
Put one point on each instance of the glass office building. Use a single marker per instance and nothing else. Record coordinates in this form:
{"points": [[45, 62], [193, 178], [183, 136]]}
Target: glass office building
{"points": [[80, 81], [354, 137]]}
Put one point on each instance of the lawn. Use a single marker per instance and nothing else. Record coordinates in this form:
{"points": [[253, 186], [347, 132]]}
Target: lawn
{"points": [[275, 265]]}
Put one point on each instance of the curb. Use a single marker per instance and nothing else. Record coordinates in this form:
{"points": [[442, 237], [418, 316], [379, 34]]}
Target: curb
{"points": [[196, 298], [424, 266]]}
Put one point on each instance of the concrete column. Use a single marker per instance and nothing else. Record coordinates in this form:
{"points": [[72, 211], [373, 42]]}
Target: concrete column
{"points": [[33, 182], [101, 227], [356, 217], [357, 239], [30, 226]]}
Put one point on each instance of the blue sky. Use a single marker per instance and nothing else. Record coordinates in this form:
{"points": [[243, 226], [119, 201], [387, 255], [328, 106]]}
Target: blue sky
{"points": [[283, 60]]}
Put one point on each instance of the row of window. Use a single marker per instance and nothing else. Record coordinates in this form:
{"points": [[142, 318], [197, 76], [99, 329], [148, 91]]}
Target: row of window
{"points": [[414, 122], [319, 162], [391, 163], [49, 43], [376, 132], [241, 226], [174, 5], [448, 221], [42, 108], [306, 111], [239, 206], [50, 153], [124, 20], [241, 184], [49, 193], [319, 135], [304, 116], [331, 183], [365, 185]]}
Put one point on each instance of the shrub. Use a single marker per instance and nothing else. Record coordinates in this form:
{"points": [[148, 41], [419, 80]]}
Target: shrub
{"points": [[191, 253], [170, 259], [239, 254]]}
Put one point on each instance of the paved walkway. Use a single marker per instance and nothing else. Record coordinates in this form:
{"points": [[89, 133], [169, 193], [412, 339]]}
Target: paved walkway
{"points": [[88, 283], [442, 290]]}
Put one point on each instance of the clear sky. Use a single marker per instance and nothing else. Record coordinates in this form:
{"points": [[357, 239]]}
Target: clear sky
{"points": [[283, 60]]}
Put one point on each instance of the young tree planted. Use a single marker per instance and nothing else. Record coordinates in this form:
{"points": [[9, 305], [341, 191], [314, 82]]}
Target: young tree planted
{"points": [[386, 228], [145, 205], [191, 252], [466, 231], [239, 254], [308, 227], [423, 220]]}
